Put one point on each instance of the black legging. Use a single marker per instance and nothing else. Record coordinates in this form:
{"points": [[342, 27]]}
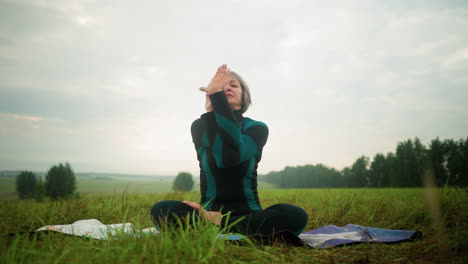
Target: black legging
{"points": [[272, 220]]}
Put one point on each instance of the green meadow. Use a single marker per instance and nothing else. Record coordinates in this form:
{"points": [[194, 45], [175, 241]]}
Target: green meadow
{"points": [[440, 214]]}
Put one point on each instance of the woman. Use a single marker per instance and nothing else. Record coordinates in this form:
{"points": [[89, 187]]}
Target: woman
{"points": [[229, 147]]}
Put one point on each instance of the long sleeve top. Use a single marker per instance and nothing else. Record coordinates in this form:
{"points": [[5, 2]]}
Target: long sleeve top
{"points": [[229, 148]]}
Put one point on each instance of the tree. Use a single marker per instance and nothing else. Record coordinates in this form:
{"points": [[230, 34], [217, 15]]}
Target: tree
{"points": [[390, 161], [410, 163], [438, 153], [346, 174], [308, 176], [273, 177], [25, 184], [378, 173], [39, 191], [183, 182], [358, 174], [457, 162], [60, 181]]}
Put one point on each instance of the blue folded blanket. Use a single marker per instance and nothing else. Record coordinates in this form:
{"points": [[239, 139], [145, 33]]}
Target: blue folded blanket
{"points": [[331, 236], [323, 237]]}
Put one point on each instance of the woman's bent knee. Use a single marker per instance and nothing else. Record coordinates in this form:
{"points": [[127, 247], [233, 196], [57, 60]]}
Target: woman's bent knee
{"points": [[294, 217], [169, 212]]}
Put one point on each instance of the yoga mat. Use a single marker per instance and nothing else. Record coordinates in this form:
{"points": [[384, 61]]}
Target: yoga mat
{"points": [[323, 237]]}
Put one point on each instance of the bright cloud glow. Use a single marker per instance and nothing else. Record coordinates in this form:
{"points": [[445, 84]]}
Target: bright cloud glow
{"points": [[82, 20]]}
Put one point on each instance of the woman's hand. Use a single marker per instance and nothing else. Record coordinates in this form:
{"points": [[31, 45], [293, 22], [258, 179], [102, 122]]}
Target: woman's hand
{"points": [[208, 106], [212, 216], [219, 80]]}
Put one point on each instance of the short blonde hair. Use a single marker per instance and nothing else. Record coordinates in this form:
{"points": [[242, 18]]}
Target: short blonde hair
{"points": [[246, 99]]}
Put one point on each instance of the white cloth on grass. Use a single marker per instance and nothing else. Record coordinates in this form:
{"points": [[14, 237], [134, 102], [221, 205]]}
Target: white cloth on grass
{"points": [[93, 228]]}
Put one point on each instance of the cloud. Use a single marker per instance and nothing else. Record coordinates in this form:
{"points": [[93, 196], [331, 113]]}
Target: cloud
{"points": [[5, 62], [20, 19], [5, 42], [333, 80], [23, 117], [458, 58]]}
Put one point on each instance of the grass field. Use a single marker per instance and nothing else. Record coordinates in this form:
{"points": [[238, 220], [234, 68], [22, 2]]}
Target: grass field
{"points": [[386, 208]]}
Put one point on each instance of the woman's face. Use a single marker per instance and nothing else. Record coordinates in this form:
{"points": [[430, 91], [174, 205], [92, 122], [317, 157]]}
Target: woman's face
{"points": [[233, 91]]}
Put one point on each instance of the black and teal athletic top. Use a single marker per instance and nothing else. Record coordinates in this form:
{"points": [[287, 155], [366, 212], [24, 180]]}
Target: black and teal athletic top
{"points": [[229, 148]]}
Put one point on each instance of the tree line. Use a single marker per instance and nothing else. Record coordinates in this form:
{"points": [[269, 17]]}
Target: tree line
{"points": [[59, 183], [445, 160]]}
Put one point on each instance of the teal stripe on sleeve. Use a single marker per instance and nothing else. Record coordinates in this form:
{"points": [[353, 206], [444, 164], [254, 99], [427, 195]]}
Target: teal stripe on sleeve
{"points": [[248, 123], [248, 191], [248, 148], [230, 127], [218, 151], [205, 141], [210, 179]]}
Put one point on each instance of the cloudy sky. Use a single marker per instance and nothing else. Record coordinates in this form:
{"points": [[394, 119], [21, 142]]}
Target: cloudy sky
{"points": [[112, 86]]}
